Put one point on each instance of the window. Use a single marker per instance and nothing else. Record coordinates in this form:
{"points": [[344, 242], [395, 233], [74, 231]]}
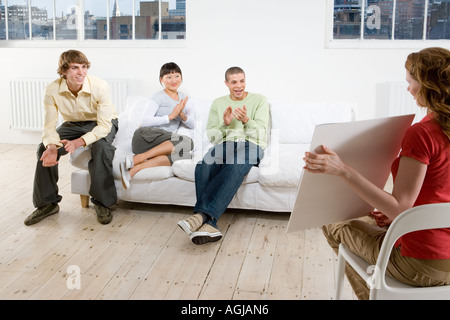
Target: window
{"points": [[87, 20], [391, 19]]}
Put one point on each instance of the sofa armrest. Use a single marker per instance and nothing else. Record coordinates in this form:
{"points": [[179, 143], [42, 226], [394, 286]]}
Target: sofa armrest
{"points": [[80, 158]]}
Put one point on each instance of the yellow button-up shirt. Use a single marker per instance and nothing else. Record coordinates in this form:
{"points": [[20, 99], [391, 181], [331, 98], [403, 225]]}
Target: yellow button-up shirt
{"points": [[92, 103]]}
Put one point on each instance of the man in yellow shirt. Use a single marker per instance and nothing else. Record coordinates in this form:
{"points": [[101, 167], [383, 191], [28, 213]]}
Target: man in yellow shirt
{"points": [[89, 119]]}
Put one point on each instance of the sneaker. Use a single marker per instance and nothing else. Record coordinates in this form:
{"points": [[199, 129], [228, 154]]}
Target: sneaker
{"points": [[41, 213], [129, 162], [125, 175], [191, 224], [207, 233], [104, 214]]}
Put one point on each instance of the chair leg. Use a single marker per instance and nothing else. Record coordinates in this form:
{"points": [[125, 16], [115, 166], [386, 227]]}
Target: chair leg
{"points": [[340, 276], [84, 201]]}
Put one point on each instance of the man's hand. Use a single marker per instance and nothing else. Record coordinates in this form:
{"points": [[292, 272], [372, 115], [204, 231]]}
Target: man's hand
{"points": [[50, 156], [241, 114], [228, 116], [72, 145]]}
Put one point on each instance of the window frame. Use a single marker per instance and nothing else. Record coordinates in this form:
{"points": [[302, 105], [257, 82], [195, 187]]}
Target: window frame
{"points": [[91, 43], [361, 43]]}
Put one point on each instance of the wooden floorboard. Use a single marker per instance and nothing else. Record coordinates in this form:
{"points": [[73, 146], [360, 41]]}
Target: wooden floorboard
{"points": [[143, 254]]}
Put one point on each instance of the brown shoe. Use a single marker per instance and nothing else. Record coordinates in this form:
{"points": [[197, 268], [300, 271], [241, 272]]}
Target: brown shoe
{"points": [[104, 214], [41, 213]]}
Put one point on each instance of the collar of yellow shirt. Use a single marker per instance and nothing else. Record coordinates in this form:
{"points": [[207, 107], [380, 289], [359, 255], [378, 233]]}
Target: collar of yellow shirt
{"points": [[63, 87]]}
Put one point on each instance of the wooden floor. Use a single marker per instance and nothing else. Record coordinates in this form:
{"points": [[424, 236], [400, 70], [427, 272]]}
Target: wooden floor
{"points": [[143, 254]]}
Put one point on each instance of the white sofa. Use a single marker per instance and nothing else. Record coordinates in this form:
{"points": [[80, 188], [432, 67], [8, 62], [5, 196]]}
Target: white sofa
{"points": [[270, 187]]}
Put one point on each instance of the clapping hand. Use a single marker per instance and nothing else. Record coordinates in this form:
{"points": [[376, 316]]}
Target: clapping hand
{"points": [[178, 110], [239, 113], [228, 116]]}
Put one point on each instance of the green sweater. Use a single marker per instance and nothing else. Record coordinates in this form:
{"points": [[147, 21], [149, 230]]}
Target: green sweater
{"points": [[255, 130]]}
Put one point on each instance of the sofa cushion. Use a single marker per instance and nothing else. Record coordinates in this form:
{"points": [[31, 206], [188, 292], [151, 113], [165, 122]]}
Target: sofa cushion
{"points": [[295, 122], [199, 137], [149, 174], [129, 121], [282, 165], [185, 169]]}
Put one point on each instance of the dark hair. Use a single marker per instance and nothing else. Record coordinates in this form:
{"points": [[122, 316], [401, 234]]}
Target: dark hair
{"points": [[170, 67], [71, 56], [233, 70]]}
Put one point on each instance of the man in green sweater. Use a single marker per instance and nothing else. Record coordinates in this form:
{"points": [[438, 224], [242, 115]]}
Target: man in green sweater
{"points": [[237, 125]]}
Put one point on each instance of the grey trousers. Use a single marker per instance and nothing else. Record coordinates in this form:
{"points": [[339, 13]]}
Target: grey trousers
{"points": [[102, 189], [146, 138]]}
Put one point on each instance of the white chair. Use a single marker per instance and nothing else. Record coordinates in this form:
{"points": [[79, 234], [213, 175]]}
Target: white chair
{"points": [[383, 287]]}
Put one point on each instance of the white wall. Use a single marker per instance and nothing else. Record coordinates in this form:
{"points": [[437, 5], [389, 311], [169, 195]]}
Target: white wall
{"points": [[280, 44]]}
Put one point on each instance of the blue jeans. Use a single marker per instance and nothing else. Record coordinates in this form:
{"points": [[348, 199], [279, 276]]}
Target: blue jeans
{"points": [[220, 174]]}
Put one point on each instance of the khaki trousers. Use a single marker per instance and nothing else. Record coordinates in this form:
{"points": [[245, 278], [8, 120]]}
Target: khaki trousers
{"points": [[364, 238]]}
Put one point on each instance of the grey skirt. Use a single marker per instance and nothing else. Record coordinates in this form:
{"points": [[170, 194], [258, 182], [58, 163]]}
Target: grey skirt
{"points": [[146, 138]]}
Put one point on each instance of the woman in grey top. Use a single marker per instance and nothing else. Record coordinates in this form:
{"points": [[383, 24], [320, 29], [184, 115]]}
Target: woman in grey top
{"points": [[156, 142]]}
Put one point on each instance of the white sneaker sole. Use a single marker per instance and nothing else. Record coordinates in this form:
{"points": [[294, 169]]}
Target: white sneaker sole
{"points": [[125, 182], [200, 237]]}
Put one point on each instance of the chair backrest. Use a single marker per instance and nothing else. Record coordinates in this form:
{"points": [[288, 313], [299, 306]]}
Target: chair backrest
{"points": [[430, 216]]}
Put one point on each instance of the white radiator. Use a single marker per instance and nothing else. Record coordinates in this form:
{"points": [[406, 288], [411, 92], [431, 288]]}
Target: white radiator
{"points": [[26, 104], [398, 101], [119, 93], [27, 95]]}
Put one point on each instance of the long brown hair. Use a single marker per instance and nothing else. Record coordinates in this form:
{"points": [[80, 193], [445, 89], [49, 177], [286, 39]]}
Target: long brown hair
{"points": [[431, 68]]}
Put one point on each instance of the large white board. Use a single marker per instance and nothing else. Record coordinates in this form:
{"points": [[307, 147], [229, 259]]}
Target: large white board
{"points": [[369, 146]]}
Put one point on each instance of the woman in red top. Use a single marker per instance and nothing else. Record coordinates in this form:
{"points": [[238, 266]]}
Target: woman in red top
{"points": [[421, 176]]}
